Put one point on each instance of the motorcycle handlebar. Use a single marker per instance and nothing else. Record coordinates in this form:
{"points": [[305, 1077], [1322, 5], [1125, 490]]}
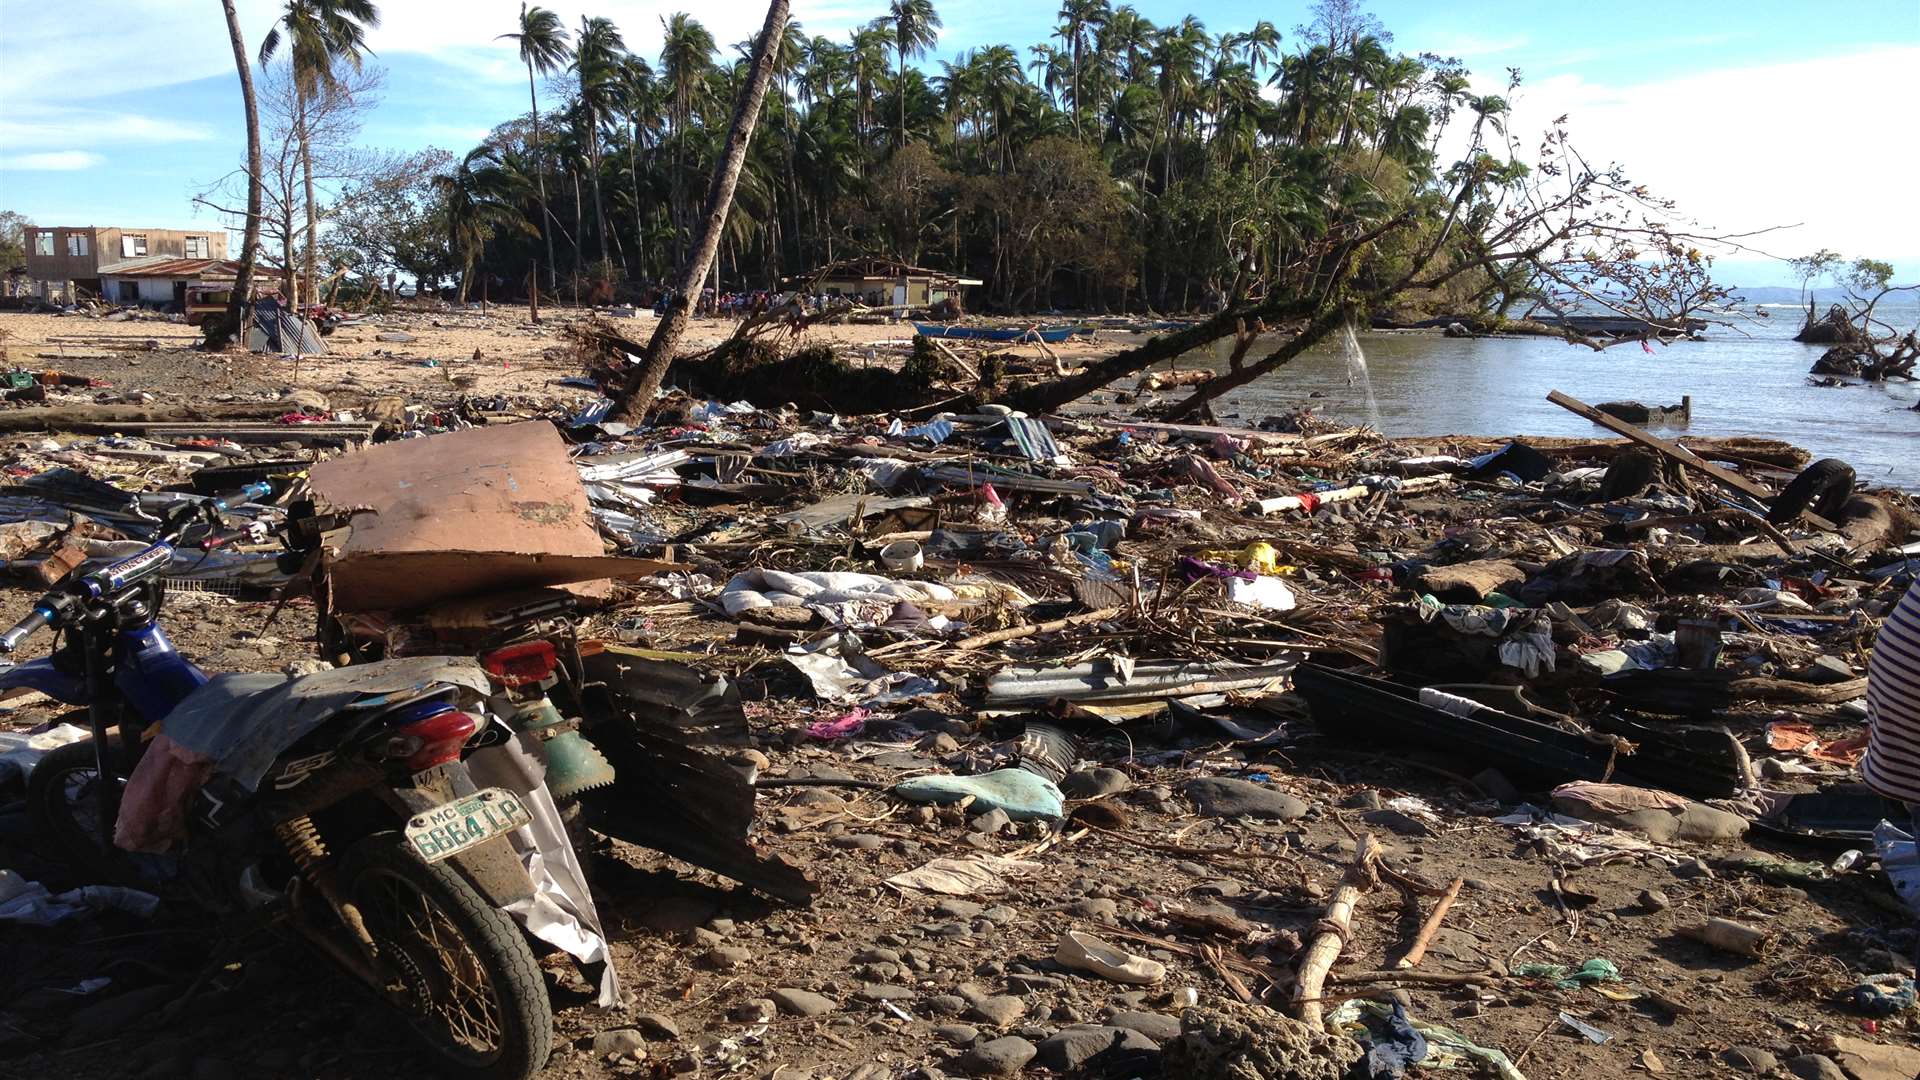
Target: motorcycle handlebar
{"points": [[37, 619]]}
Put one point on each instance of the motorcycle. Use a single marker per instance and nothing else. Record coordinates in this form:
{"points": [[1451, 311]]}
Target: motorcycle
{"points": [[381, 811]]}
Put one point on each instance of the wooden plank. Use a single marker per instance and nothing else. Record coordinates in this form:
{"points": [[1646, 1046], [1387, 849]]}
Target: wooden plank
{"points": [[1675, 451]]}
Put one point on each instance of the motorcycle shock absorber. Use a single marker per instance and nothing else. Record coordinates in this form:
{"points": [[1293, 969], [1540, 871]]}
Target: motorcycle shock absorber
{"points": [[309, 852]]}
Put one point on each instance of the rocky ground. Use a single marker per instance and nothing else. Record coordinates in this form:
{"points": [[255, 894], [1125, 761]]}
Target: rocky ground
{"points": [[873, 981], [1210, 858]]}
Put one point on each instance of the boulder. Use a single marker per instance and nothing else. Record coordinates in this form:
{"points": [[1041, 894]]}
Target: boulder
{"points": [[1226, 798], [1065, 1051]]}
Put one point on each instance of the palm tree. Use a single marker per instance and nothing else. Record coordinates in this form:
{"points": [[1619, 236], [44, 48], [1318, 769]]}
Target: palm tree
{"points": [[319, 34], [250, 238], [543, 48], [640, 100], [686, 58], [596, 64], [866, 65], [479, 196], [634, 398], [916, 26], [1079, 21]]}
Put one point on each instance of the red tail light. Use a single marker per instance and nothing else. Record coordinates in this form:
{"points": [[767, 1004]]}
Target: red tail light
{"points": [[435, 740], [523, 664]]}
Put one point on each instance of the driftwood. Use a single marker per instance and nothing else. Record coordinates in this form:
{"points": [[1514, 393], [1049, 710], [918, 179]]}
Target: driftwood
{"points": [[74, 417], [1676, 452], [1335, 926], [1418, 949], [981, 640]]}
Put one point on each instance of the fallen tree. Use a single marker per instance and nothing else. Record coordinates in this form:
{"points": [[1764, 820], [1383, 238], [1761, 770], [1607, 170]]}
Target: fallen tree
{"points": [[1582, 236], [89, 417]]}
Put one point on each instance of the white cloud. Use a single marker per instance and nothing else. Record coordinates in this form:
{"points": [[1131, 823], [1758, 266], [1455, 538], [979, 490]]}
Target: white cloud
{"points": [[1746, 148], [52, 161], [166, 42], [29, 124]]}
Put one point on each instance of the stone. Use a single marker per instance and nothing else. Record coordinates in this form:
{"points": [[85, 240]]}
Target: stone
{"points": [[796, 1002], [1094, 783], [1221, 797], [1364, 799], [990, 822], [819, 797], [727, 957], [859, 842], [957, 909], [883, 992], [956, 1034], [394, 337], [947, 1005], [1814, 1067], [1688, 869], [939, 743], [1000, 1010], [1468, 582], [701, 937], [1863, 1060], [1156, 1026], [1097, 908], [1654, 900], [620, 1043], [1750, 1059], [753, 1011], [1065, 1051], [999, 1057], [657, 1026]]}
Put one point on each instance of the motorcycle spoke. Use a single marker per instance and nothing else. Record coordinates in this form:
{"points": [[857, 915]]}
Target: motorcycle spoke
{"points": [[460, 999]]}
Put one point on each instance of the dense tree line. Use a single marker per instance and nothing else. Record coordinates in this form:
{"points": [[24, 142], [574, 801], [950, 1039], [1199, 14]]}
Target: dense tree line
{"points": [[1119, 165]]}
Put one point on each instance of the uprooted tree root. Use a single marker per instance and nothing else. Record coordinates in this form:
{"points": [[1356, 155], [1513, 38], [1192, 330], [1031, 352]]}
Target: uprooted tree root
{"points": [[813, 377]]}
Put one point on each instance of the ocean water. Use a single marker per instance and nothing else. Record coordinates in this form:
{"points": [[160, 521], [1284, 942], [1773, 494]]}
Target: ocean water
{"points": [[1746, 381]]}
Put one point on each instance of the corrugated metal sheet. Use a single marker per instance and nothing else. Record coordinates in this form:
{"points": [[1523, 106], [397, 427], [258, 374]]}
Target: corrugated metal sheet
{"points": [[1033, 438]]}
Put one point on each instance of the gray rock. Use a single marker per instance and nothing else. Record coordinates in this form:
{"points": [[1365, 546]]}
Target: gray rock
{"points": [[753, 1011], [394, 337], [1156, 1026], [701, 937], [1000, 1057], [1065, 1051], [620, 1043], [883, 992], [946, 1004], [1364, 799], [727, 957], [957, 1034], [1224, 798], [657, 1026], [1692, 868], [803, 1002], [1750, 1059], [1098, 908], [877, 956], [816, 797], [1654, 900], [859, 842], [990, 822], [957, 909], [999, 1010], [1814, 1067], [1093, 783]]}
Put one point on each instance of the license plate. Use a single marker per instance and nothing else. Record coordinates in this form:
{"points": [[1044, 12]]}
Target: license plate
{"points": [[454, 827]]}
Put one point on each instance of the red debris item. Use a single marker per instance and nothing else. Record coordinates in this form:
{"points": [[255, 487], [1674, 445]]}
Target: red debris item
{"points": [[304, 418]]}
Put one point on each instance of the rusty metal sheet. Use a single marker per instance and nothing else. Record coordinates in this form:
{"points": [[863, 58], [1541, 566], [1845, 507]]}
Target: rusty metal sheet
{"points": [[485, 509]]}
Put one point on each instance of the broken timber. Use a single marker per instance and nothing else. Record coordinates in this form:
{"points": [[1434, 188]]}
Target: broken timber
{"points": [[1676, 452]]}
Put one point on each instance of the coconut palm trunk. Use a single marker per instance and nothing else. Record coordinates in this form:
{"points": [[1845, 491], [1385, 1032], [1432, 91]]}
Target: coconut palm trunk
{"points": [[630, 404], [540, 177], [298, 296], [250, 238]]}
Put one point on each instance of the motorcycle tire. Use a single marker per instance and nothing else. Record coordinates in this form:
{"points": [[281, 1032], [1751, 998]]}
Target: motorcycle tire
{"points": [[61, 808], [484, 1013], [1823, 487]]}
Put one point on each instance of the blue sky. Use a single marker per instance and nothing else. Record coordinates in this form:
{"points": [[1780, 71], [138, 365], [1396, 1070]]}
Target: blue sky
{"points": [[1706, 101]]}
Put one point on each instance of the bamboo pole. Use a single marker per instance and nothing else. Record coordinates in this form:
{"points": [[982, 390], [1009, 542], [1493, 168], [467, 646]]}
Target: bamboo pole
{"points": [[1325, 948], [1418, 949]]}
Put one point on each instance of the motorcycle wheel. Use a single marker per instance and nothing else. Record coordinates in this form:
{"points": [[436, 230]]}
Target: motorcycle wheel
{"points": [[470, 985], [61, 794]]}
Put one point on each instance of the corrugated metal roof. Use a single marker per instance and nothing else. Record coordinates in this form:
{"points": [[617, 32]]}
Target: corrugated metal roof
{"points": [[1033, 438], [170, 267]]}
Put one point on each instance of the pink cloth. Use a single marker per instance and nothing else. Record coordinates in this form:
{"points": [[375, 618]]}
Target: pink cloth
{"points": [[846, 726], [153, 810]]}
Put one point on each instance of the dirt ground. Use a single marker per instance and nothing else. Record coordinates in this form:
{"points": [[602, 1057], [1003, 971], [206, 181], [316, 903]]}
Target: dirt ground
{"points": [[262, 1007], [910, 981]]}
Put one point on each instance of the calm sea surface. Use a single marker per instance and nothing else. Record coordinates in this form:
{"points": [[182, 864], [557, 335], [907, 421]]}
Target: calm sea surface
{"points": [[1751, 383]]}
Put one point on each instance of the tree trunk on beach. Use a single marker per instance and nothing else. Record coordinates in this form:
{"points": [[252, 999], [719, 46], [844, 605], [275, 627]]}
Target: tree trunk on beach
{"points": [[250, 238], [631, 402]]}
